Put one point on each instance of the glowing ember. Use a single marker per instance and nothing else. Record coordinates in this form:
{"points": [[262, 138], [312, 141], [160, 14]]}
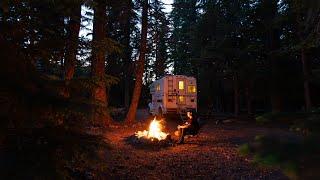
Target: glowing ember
{"points": [[155, 131]]}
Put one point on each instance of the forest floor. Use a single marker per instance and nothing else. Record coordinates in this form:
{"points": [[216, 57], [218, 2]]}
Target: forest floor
{"points": [[212, 154]]}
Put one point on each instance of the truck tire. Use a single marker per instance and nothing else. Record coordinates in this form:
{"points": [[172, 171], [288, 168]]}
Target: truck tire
{"points": [[149, 111], [160, 113]]}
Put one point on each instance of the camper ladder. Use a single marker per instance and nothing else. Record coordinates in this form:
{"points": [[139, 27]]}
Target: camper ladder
{"points": [[170, 85]]}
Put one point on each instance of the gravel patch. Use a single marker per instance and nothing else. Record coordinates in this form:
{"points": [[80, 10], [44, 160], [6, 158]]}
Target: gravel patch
{"points": [[212, 154]]}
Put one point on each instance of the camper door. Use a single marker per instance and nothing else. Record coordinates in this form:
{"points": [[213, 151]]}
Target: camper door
{"points": [[181, 91]]}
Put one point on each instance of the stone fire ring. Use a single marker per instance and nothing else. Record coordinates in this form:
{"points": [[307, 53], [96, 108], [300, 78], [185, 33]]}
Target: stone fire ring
{"points": [[149, 142]]}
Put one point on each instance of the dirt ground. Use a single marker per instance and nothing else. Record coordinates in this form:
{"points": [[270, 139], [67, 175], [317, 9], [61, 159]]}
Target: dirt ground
{"points": [[212, 154]]}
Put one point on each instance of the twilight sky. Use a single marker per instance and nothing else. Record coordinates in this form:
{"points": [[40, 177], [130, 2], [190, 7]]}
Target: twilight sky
{"points": [[87, 26], [168, 5]]}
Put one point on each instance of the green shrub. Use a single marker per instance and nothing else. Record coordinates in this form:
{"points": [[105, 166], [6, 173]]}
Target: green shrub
{"points": [[244, 149], [276, 117], [308, 125], [296, 157], [287, 118], [52, 153]]}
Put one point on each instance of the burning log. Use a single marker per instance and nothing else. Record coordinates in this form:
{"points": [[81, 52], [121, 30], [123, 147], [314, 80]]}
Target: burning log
{"points": [[154, 136], [154, 132]]}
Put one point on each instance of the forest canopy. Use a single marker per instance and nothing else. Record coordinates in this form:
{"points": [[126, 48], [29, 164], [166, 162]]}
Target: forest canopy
{"points": [[70, 66]]}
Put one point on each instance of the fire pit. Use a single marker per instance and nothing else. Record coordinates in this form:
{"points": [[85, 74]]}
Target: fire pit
{"points": [[154, 136]]}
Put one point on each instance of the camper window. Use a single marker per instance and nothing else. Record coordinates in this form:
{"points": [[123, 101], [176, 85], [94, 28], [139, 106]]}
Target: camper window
{"points": [[181, 99], [158, 87], [192, 89], [181, 85]]}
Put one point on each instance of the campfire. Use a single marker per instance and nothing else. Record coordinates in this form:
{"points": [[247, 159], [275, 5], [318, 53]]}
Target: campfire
{"points": [[154, 132], [153, 137]]}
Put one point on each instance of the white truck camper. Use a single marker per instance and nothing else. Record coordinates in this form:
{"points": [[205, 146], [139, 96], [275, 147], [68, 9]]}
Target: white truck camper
{"points": [[173, 94]]}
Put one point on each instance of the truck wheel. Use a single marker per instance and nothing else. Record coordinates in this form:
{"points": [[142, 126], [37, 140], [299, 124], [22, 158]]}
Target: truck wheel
{"points": [[149, 111], [160, 113]]}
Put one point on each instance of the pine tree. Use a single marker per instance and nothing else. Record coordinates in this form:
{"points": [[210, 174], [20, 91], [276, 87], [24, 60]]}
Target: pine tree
{"points": [[306, 23], [99, 93], [128, 15], [159, 34], [72, 42], [140, 65], [184, 16]]}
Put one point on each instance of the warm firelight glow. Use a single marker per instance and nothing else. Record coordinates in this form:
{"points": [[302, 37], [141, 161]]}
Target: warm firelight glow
{"points": [[154, 132]]}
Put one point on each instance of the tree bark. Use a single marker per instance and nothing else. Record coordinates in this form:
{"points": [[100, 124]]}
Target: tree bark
{"points": [[249, 98], [72, 43], [4, 8], [236, 95], [272, 45], [302, 33], [140, 65], [99, 94], [306, 79], [275, 83], [127, 54], [98, 52]]}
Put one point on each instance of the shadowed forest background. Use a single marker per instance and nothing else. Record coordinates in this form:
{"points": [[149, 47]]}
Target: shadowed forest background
{"points": [[254, 60]]}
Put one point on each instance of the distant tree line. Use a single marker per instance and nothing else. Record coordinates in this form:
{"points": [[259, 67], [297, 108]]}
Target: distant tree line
{"points": [[42, 38], [249, 56], [59, 89]]}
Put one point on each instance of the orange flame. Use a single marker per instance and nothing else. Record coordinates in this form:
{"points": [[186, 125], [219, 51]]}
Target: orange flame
{"points": [[155, 131]]}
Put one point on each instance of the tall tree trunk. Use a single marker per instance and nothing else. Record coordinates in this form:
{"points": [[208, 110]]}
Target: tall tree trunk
{"points": [[236, 95], [272, 44], [4, 7], [99, 93], [127, 91], [306, 79], [160, 59], [72, 43], [140, 66], [249, 98], [302, 33], [275, 84], [127, 54]]}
